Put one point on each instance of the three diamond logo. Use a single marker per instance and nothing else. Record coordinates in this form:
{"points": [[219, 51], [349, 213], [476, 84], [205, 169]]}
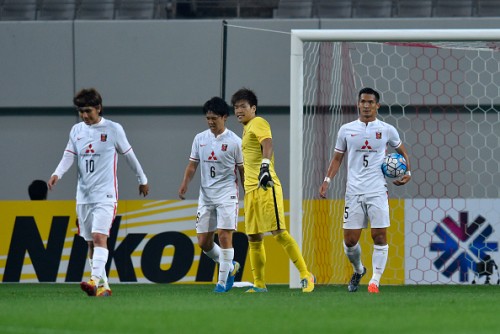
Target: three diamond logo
{"points": [[89, 149]]}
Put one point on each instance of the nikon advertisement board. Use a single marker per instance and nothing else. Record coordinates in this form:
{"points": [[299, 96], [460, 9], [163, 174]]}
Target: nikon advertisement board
{"points": [[150, 242]]}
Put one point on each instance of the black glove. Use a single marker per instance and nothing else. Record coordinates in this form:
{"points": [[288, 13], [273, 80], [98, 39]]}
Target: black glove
{"points": [[265, 177]]}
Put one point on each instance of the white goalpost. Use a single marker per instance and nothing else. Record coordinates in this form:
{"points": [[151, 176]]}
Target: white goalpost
{"points": [[441, 90]]}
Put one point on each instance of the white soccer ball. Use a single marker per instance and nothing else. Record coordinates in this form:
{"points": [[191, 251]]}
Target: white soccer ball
{"points": [[394, 165]]}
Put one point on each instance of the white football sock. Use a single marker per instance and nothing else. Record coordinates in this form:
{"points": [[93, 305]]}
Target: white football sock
{"points": [[225, 265], [354, 255], [104, 278], [214, 253], [379, 260], [99, 262]]}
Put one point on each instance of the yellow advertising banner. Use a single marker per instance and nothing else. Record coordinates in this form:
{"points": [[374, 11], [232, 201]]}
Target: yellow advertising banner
{"points": [[150, 242]]}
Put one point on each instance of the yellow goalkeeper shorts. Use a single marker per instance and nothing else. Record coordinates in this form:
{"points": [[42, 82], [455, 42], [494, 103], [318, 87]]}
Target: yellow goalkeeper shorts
{"points": [[264, 211]]}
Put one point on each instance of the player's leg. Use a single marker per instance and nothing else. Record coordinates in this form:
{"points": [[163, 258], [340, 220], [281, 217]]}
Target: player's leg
{"points": [[206, 225], [84, 213], [276, 217], [354, 221], [257, 255], [379, 257], [99, 260], [226, 259], [102, 216], [256, 249], [378, 211], [227, 220], [104, 278]]}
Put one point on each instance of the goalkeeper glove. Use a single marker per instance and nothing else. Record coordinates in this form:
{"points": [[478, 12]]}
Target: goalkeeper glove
{"points": [[265, 179]]}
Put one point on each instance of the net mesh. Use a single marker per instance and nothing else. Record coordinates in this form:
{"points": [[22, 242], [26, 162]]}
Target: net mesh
{"points": [[443, 98]]}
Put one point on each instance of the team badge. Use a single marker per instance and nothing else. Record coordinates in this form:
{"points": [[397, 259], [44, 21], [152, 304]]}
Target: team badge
{"points": [[378, 135], [224, 147], [104, 137]]}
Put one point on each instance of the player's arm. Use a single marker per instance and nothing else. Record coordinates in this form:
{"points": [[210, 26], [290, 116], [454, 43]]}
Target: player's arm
{"points": [[66, 162], [407, 177], [265, 179], [137, 168], [188, 176], [241, 171], [123, 146], [332, 171]]}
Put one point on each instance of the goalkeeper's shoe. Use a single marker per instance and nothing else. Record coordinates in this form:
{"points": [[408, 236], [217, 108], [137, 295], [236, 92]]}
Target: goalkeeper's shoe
{"points": [[219, 288], [89, 287], [255, 289], [354, 282], [373, 288], [232, 275], [103, 291], [307, 283]]}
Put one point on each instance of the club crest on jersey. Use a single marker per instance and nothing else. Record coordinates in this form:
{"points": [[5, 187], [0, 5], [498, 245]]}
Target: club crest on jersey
{"points": [[224, 147], [378, 135], [104, 137]]}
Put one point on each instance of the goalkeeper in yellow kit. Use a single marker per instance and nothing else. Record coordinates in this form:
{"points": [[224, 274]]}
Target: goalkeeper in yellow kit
{"points": [[263, 200]]}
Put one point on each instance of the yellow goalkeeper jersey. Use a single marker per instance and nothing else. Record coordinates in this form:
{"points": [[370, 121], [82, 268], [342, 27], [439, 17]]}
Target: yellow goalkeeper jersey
{"points": [[254, 132]]}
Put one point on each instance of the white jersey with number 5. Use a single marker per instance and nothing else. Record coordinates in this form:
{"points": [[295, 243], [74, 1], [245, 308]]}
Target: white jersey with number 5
{"points": [[95, 147], [366, 148], [218, 158]]}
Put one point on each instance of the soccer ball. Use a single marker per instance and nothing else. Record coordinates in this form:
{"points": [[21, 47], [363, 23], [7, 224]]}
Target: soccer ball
{"points": [[394, 165]]}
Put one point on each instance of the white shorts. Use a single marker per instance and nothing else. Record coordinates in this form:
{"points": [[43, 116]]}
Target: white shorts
{"points": [[218, 216], [95, 218], [359, 209]]}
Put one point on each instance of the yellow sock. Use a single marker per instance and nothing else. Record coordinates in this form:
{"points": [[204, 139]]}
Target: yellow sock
{"points": [[292, 249], [258, 262]]}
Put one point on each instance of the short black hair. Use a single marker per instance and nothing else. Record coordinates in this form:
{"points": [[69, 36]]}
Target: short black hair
{"points": [[88, 97], [371, 91], [246, 95], [38, 190], [216, 105]]}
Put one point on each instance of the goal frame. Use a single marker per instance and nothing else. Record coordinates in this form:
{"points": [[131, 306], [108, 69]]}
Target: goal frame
{"points": [[298, 37]]}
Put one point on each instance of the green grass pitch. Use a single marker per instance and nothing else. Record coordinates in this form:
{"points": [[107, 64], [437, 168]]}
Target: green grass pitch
{"points": [[172, 308]]}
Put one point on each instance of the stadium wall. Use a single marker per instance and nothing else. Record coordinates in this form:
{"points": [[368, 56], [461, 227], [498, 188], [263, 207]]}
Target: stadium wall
{"points": [[154, 76]]}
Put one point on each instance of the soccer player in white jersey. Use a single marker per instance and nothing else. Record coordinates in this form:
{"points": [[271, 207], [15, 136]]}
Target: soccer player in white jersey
{"points": [[365, 141], [94, 143], [218, 153]]}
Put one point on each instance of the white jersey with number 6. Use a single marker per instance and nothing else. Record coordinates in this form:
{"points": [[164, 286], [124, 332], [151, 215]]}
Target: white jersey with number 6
{"points": [[366, 147], [218, 158]]}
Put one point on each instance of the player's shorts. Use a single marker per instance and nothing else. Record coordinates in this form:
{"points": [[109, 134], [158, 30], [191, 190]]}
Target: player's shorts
{"points": [[95, 218], [263, 211], [217, 216], [359, 209]]}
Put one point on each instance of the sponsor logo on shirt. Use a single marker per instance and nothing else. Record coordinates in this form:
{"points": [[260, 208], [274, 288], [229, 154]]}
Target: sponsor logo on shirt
{"points": [[366, 148], [89, 149], [212, 156]]}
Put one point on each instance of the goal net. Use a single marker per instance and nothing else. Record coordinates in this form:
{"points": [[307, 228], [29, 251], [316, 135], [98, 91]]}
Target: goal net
{"points": [[441, 90]]}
